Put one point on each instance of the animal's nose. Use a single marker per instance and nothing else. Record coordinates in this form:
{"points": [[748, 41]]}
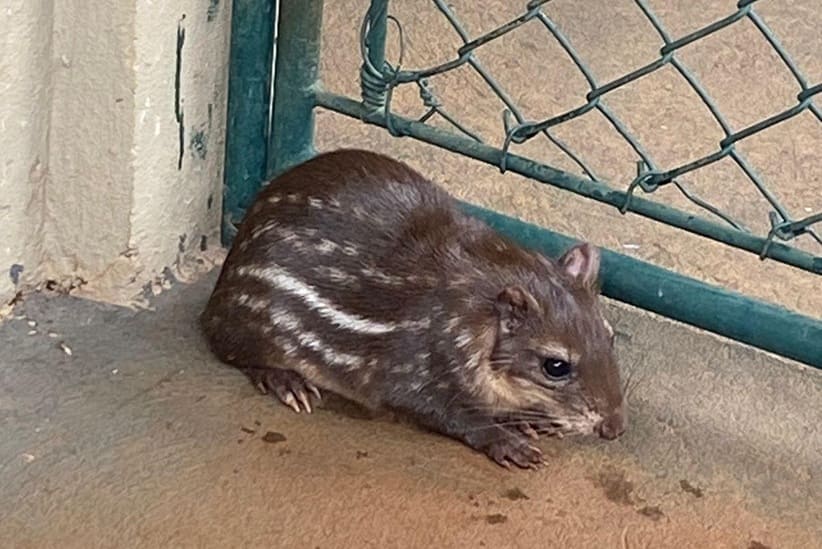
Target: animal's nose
{"points": [[612, 426]]}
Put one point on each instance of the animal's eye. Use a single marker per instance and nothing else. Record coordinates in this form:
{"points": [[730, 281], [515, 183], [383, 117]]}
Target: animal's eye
{"points": [[556, 368]]}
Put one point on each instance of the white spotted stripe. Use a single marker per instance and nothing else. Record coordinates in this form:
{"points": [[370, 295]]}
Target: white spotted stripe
{"points": [[286, 282], [308, 339]]}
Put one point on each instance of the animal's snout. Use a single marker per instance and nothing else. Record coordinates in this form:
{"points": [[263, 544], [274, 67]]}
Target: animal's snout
{"points": [[612, 426]]}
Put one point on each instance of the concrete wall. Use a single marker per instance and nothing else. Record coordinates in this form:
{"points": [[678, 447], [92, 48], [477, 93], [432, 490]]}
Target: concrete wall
{"points": [[112, 118], [25, 98]]}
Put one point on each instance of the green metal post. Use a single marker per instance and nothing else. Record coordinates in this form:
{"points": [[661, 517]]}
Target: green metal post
{"points": [[295, 78], [249, 83]]}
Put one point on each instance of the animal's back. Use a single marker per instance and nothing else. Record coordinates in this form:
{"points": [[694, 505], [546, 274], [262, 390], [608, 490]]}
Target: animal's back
{"points": [[349, 231]]}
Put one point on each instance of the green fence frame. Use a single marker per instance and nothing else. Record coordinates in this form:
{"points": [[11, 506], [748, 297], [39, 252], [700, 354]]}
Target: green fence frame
{"points": [[261, 144]]}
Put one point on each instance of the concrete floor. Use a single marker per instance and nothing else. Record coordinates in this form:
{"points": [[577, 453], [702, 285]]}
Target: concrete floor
{"points": [[139, 437]]}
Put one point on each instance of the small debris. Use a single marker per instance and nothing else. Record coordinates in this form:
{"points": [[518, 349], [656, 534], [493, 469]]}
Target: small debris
{"points": [[115, 371], [496, 518], [652, 512], [66, 349], [631, 246], [32, 332], [361, 454], [53, 334], [695, 491], [274, 437], [257, 422], [514, 494], [247, 430], [32, 323], [28, 458], [616, 486]]}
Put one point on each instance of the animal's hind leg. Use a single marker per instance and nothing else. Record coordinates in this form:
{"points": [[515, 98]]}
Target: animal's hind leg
{"points": [[289, 386]]}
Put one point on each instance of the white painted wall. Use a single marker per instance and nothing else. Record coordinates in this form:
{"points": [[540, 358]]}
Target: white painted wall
{"points": [[25, 98], [106, 178]]}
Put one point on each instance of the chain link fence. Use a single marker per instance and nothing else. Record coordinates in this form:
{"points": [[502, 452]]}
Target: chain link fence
{"points": [[380, 79]]}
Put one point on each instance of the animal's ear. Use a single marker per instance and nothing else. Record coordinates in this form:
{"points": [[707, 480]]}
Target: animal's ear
{"points": [[581, 263], [513, 305]]}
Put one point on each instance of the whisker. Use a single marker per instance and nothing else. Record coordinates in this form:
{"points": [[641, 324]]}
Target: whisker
{"points": [[633, 383], [552, 431], [628, 379], [524, 414], [479, 427], [629, 390]]}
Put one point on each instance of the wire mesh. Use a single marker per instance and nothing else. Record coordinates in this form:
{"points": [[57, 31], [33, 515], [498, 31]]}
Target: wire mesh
{"points": [[379, 79]]}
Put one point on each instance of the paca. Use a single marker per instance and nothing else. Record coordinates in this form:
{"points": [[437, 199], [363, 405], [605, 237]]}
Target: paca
{"points": [[353, 273]]}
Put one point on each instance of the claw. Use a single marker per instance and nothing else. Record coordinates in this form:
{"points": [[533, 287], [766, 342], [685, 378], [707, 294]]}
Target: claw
{"points": [[528, 431], [314, 390], [504, 462], [304, 400], [514, 449], [289, 386], [291, 402]]}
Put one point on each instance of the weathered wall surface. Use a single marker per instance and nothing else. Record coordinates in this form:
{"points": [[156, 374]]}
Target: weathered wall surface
{"points": [[113, 128], [25, 45], [89, 187], [180, 130]]}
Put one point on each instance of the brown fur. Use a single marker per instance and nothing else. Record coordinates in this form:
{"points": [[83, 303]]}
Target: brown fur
{"points": [[366, 279]]}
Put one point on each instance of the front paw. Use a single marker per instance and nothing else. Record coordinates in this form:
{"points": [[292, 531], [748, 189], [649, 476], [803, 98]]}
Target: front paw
{"points": [[514, 448], [289, 386]]}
